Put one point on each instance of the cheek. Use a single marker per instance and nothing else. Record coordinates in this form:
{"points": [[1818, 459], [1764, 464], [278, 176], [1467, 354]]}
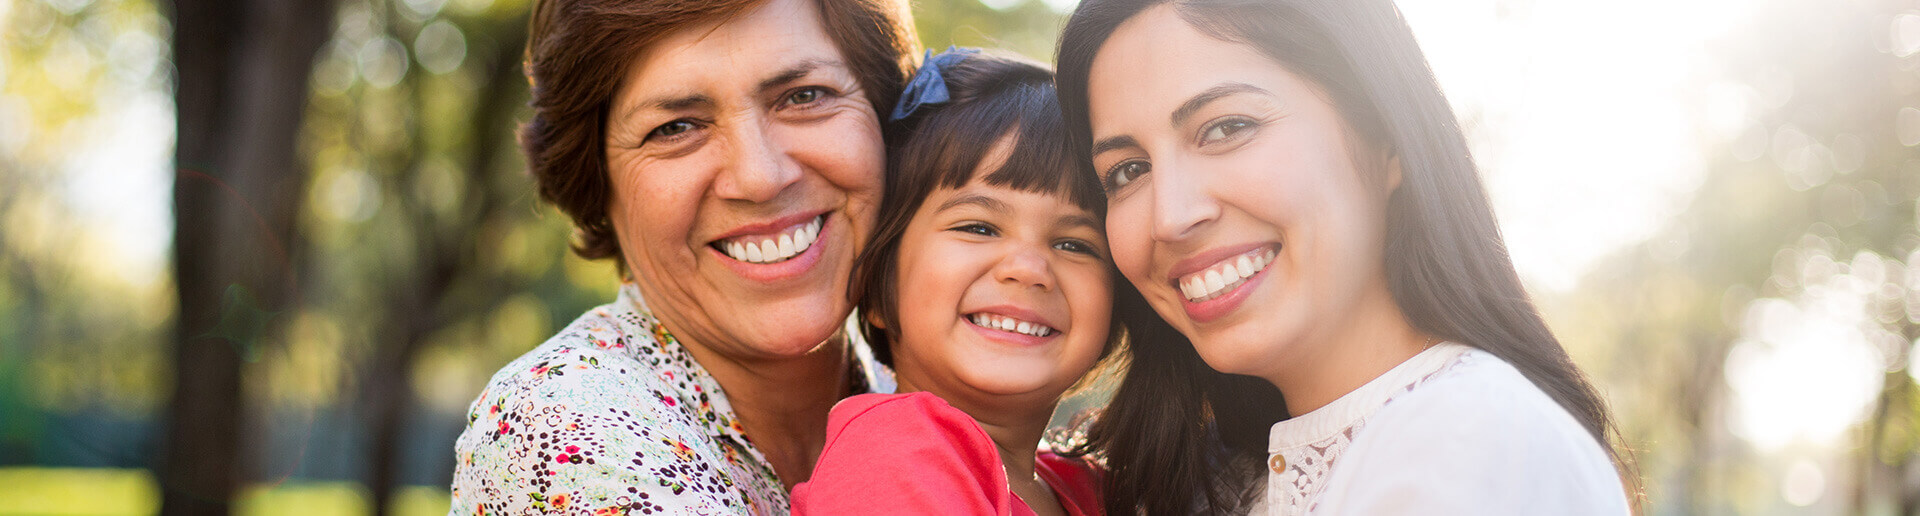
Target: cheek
{"points": [[847, 152], [653, 204], [930, 280], [1092, 308], [1128, 224]]}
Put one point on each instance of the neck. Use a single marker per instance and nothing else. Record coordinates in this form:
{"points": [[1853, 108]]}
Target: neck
{"points": [[782, 404], [1016, 433], [1373, 338]]}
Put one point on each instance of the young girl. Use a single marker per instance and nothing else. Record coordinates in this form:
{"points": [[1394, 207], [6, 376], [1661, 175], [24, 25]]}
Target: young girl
{"points": [[1289, 190], [987, 288]]}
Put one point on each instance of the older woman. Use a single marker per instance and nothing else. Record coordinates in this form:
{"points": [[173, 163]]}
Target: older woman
{"points": [[728, 153]]}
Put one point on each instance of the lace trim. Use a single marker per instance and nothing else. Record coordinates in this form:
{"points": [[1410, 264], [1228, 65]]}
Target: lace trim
{"points": [[1297, 490]]}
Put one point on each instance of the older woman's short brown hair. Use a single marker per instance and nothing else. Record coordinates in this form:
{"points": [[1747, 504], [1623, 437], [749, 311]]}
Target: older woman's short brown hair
{"points": [[577, 55]]}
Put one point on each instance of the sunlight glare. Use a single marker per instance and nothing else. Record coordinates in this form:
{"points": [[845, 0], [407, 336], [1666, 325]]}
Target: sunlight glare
{"points": [[1805, 369]]}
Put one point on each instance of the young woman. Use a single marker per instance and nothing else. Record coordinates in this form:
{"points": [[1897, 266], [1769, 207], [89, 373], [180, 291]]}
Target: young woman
{"points": [[1289, 190], [987, 288]]}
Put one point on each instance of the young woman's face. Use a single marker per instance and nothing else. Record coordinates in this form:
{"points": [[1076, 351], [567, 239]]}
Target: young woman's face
{"points": [[1001, 292], [746, 166], [1238, 203]]}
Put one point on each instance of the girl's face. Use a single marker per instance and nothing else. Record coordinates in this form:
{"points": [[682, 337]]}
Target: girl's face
{"points": [[1001, 292], [746, 166], [1238, 203]]}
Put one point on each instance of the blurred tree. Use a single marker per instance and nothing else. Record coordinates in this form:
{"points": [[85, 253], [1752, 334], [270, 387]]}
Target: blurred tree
{"points": [[447, 233], [1802, 237], [1025, 27], [242, 68]]}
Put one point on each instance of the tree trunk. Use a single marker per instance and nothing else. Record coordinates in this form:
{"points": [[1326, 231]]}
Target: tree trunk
{"points": [[447, 253], [240, 93]]}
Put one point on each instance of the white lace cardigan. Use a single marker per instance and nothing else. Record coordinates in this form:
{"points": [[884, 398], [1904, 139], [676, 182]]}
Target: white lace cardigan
{"points": [[1453, 430]]}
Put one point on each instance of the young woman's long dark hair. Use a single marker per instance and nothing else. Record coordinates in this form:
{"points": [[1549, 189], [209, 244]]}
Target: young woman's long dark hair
{"points": [[1180, 437]]}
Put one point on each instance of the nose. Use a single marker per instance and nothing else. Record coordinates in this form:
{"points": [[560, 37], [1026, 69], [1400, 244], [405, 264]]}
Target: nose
{"points": [[758, 167], [1025, 267], [1182, 203]]}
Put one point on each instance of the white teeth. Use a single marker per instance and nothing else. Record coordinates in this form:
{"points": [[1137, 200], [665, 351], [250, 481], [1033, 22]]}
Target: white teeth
{"points": [[1225, 276], [774, 249], [1010, 324]]}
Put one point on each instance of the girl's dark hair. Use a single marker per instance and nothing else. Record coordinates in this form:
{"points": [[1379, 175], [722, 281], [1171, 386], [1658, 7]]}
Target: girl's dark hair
{"points": [[1174, 422], [940, 145]]}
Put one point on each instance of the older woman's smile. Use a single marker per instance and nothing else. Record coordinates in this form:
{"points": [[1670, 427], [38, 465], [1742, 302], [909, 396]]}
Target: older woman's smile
{"points": [[772, 257], [755, 244]]}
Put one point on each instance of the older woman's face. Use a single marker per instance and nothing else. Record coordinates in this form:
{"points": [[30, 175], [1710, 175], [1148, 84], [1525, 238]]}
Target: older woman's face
{"points": [[746, 165]]}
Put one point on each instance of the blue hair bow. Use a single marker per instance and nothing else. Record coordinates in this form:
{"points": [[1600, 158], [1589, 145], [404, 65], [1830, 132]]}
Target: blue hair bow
{"points": [[927, 86]]}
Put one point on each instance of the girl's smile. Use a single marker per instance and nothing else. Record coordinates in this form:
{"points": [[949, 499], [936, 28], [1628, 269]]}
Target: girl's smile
{"points": [[1001, 291]]}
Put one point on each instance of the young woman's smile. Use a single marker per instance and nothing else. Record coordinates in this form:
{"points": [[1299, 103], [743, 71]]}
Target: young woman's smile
{"points": [[1239, 202]]}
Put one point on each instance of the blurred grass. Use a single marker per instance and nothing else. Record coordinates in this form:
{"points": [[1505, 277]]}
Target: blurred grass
{"points": [[73, 491]]}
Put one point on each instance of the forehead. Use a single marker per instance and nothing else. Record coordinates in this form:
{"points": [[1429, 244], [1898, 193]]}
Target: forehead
{"points": [[734, 51], [1184, 62], [1025, 205]]}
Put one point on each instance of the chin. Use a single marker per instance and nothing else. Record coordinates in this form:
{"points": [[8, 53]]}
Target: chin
{"points": [[798, 331], [1236, 351], [1012, 381]]}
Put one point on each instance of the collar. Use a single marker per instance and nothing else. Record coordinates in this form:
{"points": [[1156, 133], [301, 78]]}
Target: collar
{"points": [[1354, 407], [696, 391]]}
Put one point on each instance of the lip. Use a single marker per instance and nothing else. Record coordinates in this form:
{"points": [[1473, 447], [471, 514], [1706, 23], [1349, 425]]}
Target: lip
{"points": [[782, 271], [1017, 339], [1212, 309], [771, 226], [1200, 262]]}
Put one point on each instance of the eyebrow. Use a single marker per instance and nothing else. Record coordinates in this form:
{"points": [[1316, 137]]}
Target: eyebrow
{"points": [[1117, 142], [796, 72], [1082, 220], [1193, 105], [989, 203], [793, 73]]}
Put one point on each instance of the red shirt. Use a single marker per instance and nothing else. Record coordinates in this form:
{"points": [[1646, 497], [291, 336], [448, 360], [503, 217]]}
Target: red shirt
{"points": [[915, 454]]}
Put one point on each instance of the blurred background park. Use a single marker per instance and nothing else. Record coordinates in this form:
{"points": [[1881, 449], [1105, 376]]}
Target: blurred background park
{"points": [[1714, 201]]}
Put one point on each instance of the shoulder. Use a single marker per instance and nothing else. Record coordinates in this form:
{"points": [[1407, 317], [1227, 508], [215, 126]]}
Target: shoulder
{"points": [[1478, 438], [588, 364], [1076, 479], [903, 454], [579, 420], [1481, 398], [903, 420]]}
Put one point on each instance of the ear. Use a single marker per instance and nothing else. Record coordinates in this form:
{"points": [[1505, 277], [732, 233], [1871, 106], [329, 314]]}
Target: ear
{"points": [[873, 320]]}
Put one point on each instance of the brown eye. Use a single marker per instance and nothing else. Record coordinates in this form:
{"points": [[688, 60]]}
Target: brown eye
{"points": [[1225, 128], [670, 129], [804, 96], [1076, 246], [1126, 172], [976, 228]]}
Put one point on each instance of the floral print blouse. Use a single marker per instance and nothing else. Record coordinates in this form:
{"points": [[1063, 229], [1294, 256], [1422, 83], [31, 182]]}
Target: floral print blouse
{"points": [[612, 417]]}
